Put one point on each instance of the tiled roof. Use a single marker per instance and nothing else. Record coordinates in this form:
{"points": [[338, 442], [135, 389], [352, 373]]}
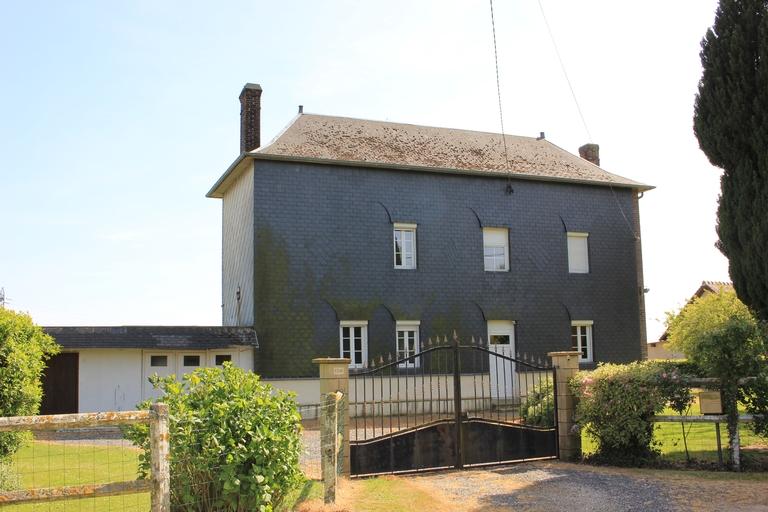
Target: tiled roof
{"points": [[150, 337], [713, 287], [383, 144], [706, 287]]}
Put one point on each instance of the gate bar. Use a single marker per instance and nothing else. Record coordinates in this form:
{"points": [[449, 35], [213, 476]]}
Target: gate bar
{"points": [[457, 401]]}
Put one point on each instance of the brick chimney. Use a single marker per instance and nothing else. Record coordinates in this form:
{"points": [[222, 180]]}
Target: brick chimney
{"points": [[590, 152], [250, 117]]}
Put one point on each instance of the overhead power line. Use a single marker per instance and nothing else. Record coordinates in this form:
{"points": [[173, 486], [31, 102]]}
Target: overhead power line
{"points": [[565, 72]]}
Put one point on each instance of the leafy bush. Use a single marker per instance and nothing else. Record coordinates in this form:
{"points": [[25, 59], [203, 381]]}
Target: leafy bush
{"points": [[24, 348], [539, 406], [616, 403], [234, 441]]}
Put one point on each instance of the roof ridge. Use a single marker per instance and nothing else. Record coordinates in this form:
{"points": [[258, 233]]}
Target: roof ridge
{"points": [[379, 121]]}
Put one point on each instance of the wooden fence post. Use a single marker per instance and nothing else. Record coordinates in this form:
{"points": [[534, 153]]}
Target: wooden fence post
{"points": [[160, 452], [569, 442], [330, 444]]}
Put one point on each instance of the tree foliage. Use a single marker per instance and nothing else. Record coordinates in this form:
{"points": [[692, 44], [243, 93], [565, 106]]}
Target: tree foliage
{"points": [[722, 338], [24, 349], [234, 441], [731, 124]]}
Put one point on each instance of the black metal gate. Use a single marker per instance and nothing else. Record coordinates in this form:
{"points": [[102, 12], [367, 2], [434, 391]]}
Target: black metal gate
{"points": [[452, 405]]}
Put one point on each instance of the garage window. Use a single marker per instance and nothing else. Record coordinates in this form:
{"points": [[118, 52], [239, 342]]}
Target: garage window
{"points": [[158, 361], [223, 358], [191, 360]]}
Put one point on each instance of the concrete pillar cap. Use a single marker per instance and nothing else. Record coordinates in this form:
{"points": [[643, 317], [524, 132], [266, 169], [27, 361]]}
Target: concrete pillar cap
{"points": [[332, 360]]}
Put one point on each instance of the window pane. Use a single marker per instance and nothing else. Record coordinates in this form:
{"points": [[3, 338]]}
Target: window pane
{"points": [[578, 259], [223, 358], [191, 360], [158, 361]]}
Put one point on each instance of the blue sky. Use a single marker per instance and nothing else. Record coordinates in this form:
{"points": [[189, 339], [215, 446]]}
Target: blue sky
{"points": [[117, 117]]}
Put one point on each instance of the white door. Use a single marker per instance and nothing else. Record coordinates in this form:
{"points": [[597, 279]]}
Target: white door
{"points": [[501, 340], [160, 363], [187, 362]]}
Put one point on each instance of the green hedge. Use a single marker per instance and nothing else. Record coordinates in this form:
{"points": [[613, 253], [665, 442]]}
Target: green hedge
{"points": [[234, 441], [616, 403], [24, 349]]}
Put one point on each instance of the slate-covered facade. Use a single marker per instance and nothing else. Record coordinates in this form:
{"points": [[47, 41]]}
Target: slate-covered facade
{"points": [[310, 248]]}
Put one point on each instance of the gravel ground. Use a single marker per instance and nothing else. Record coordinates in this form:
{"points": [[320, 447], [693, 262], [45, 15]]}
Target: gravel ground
{"points": [[545, 486]]}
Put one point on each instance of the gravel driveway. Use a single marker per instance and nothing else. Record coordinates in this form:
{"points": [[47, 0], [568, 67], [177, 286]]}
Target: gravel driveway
{"points": [[558, 486], [544, 486]]}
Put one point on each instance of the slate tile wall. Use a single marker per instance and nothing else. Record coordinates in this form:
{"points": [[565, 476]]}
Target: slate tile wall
{"points": [[323, 253]]}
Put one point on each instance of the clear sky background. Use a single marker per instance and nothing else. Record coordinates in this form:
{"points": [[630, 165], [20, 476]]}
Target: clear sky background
{"points": [[117, 117]]}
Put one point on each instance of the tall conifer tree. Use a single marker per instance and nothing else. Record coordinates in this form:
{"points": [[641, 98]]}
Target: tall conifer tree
{"points": [[731, 123]]}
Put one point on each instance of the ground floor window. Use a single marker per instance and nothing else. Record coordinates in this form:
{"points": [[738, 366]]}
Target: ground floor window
{"points": [[354, 342], [407, 343], [581, 339]]}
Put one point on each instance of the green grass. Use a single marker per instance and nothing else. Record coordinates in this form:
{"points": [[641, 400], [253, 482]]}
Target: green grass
{"points": [[309, 490], [48, 464], [701, 440]]}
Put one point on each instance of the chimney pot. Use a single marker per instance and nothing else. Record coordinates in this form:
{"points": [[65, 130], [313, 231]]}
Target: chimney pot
{"points": [[590, 152], [250, 117], [301, 109], [541, 136]]}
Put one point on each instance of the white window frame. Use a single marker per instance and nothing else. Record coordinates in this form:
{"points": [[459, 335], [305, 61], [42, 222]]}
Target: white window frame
{"points": [[364, 341], [408, 326], [487, 232], [583, 330], [403, 228], [573, 268]]}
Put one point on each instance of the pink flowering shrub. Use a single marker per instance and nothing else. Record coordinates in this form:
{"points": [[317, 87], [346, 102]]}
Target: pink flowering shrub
{"points": [[616, 403]]}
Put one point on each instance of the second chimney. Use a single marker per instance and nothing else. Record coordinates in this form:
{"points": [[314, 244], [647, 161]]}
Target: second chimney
{"points": [[590, 152], [250, 117]]}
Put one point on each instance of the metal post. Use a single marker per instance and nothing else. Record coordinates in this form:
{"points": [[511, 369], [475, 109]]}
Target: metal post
{"points": [[457, 402], [719, 443], [160, 453]]}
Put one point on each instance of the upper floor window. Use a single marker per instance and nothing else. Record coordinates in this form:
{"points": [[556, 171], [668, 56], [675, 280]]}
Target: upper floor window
{"points": [[496, 249], [353, 342], [405, 246], [578, 253], [581, 339], [407, 342]]}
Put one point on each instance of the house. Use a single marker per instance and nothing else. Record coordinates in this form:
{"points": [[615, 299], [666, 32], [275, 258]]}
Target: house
{"points": [[659, 349], [357, 238], [108, 368]]}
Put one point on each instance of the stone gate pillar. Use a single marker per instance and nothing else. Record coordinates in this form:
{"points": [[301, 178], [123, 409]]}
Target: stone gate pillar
{"points": [[334, 376], [566, 365]]}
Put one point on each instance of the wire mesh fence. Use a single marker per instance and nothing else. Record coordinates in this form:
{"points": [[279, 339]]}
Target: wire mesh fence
{"points": [[75, 459], [706, 444], [309, 459]]}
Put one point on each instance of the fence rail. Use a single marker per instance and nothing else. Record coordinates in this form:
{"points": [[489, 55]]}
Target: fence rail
{"points": [[158, 485]]}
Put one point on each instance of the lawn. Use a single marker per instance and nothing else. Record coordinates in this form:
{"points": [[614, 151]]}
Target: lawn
{"points": [[42, 464], [701, 440]]}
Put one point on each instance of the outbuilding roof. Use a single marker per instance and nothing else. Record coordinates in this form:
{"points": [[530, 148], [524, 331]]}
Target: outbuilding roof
{"points": [[153, 337], [360, 142]]}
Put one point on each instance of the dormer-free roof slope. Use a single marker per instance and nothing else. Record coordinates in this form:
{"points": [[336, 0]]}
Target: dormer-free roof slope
{"points": [[364, 143]]}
